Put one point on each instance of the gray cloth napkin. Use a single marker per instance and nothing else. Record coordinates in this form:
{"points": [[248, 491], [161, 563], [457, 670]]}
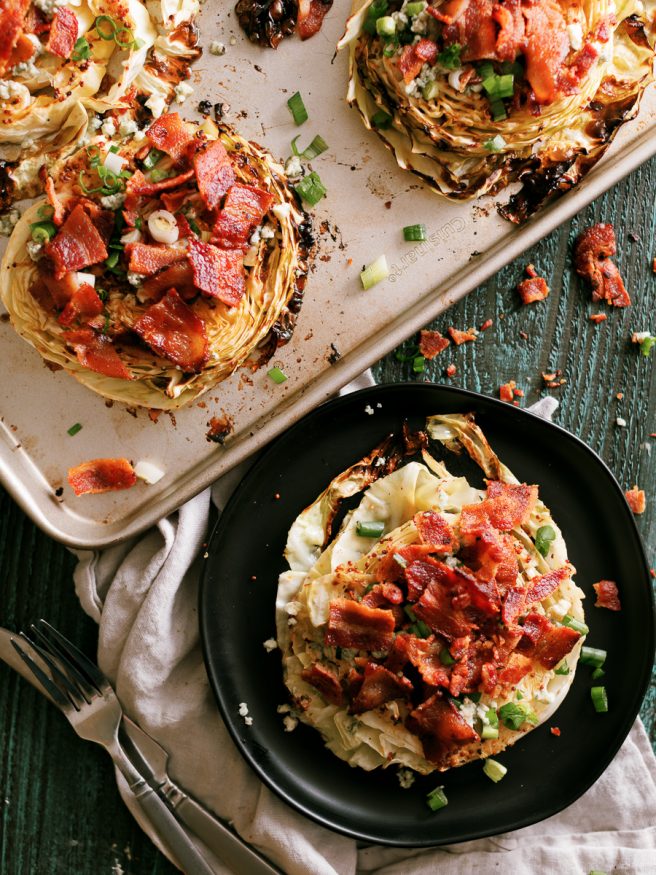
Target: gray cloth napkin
{"points": [[143, 595]]}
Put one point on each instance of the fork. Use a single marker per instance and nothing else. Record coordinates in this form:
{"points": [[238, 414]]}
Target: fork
{"points": [[86, 698]]}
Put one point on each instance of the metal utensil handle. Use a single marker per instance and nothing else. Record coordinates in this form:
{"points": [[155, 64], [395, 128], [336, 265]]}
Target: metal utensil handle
{"points": [[182, 846]]}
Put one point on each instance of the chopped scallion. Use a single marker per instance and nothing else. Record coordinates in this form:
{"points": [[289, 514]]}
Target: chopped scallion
{"points": [[450, 57], [81, 50], [494, 770], [498, 110], [311, 189], [158, 174], [422, 629], [562, 669], [277, 375], [42, 232], [400, 560], [436, 799], [498, 87], [598, 673], [496, 144], [73, 430], [297, 108], [112, 259], [646, 345], [593, 656], [599, 699], [445, 657], [374, 273], [430, 90], [152, 158], [519, 695], [316, 147], [377, 9], [414, 8], [370, 529], [489, 731], [414, 232], [381, 119], [543, 538], [579, 627], [419, 364], [406, 356], [385, 26], [514, 716]]}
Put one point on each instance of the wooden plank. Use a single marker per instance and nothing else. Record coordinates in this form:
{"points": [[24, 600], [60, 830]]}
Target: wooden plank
{"points": [[61, 812]]}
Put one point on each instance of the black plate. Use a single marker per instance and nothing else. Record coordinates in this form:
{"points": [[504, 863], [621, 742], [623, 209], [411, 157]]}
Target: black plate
{"points": [[545, 773]]}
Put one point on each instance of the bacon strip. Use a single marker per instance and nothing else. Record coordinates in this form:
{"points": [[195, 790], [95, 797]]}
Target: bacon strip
{"points": [[546, 643], [147, 259], [101, 475], [351, 624], [326, 681], [413, 57], [607, 595], [12, 13], [431, 344], [22, 51], [389, 569], [170, 134], [592, 253], [424, 654], [97, 352], [173, 330], [63, 33], [77, 244], [244, 208], [434, 529], [214, 173], [84, 305], [217, 272], [59, 211], [138, 185], [533, 289], [541, 587], [379, 686], [547, 46], [441, 727], [178, 276], [509, 505], [513, 605], [311, 14]]}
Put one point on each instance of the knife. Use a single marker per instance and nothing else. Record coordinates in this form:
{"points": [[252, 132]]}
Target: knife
{"points": [[151, 760]]}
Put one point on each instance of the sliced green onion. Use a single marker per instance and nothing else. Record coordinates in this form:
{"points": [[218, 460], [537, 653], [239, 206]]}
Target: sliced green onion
{"points": [[413, 9], [112, 259], [423, 629], [385, 26], [375, 11], [414, 232], [419, 364], [599, 699], [562, 669], [436, 799], [430, 90], [381, 119], [194, 226], [81, 50], [106, 27], [93, 156], [597, 872], [374, 273], [391, 47], [158, 174], [579, 627], [646, 345], [598, 673], [43, 232], [410, 614], [494, 770], [316, 147], [400, 560], [496, 144], [498, 87], [311, 189], [491, 728], [474, 697], [152, 158], [446, 658], [297, 108], [73, 430], [406, 356], [498, 110], [450, 57], [277, 375], [519, 695], [514, 716], [486, 70], [85, 188], [371, 529], [543, 538], [45, 212], [593, 656]]}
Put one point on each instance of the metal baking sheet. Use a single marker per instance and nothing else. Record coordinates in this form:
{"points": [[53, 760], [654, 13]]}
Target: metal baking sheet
{"points": [[369, 201]]}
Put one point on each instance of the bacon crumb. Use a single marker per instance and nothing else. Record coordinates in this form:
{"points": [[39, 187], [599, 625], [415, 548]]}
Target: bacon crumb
{"points": [[518, 393], [592, 260], [636, 499], [530, 271], [451, 370], [459, 337], [653, 265], [553, 381], [533, 289], [555, 731], [523, 335], [598, 317], [101, 475], [431, 344], [607, 595], [506, 391], [619, 396], [487, 324]]}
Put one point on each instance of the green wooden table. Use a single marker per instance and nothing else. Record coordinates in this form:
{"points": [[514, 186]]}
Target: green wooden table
{"points": [[60, 811]]}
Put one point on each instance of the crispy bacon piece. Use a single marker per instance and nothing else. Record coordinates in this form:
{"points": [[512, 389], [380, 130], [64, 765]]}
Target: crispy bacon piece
{"points": [[459, 337], [448, 12], [533, 289], [485, 550], [84, 305], [506, 391], [434, 529], [546, 643], [217, 272], [592, 252], [58, 209], [572, 75], [424, 654], [326, 681], [173, 330], [435, 608], [513, 604], [60, 290], [379, 686], [509, 505], [636, 499], [22, 51], [12, 13], [413, 57], [418, 574], [244, 208], [598, 317], [170, 134], [173, 200], [441, 728], [178, 276], [389, 569], [101, 475], [541, 587], [138, 186], [512, 29], [147, 259], [351, 624], [97, 352], [518, 666], [547, 46], [77, 244], [63, 33], [214, 173], [473, 28], [382, 595], [607, 595], [311, 14], [431, 344]]}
